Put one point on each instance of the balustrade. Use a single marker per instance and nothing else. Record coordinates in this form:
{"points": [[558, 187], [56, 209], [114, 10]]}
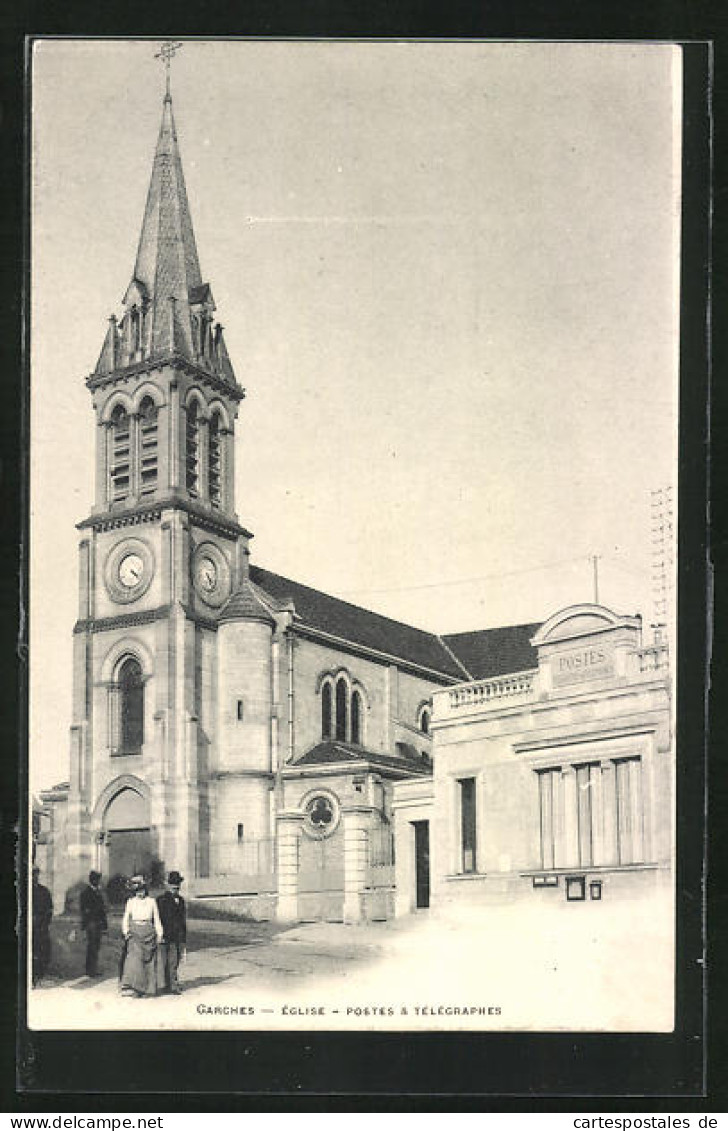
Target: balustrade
{"points": [[484, 691]]}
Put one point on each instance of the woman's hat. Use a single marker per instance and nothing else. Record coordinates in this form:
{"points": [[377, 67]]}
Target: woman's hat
{"points": [[174, 878], [137, 882]]}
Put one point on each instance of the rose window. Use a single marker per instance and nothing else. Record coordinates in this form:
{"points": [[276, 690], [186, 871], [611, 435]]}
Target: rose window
{"points": [[321, 815]]}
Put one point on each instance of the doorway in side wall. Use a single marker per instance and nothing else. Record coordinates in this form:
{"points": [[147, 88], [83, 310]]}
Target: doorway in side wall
{"points": [[422, 864]]}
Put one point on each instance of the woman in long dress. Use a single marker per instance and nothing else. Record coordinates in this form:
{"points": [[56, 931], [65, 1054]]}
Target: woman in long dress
{"points": [[142, 929]]}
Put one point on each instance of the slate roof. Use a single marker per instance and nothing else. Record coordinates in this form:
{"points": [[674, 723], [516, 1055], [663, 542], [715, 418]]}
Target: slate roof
{"points": [[334, 752], [319, 611], [245, 604], [489, 652]]}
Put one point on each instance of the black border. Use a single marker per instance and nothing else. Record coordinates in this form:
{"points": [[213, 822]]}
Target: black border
{"points": [[275, 1071]]}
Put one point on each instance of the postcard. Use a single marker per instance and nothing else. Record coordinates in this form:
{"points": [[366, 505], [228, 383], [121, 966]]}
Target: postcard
{"points": [[354, 436]]}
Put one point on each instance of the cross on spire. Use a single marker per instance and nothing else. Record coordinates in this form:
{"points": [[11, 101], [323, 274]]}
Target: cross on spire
{"points": [[166, 53]]}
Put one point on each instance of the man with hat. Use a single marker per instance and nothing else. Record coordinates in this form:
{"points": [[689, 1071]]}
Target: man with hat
{"points": [[42, 912], [174, 927], [93, 921]]}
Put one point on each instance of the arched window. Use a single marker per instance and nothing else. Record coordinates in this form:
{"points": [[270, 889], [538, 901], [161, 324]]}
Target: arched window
{"points": [[425, 720], [356, 714], [119, 453], [131, 707], [342, 695], [215, 461], [326, 711], [148, 446], [192, 452]]}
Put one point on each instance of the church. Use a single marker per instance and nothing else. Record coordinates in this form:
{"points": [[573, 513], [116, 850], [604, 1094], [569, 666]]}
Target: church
{"points": [[216, 704], [253, 733]]}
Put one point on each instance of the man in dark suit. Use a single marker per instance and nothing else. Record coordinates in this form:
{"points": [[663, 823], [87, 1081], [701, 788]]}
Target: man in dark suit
{"points": [[93, 921], [174, 925], [42, 908]]}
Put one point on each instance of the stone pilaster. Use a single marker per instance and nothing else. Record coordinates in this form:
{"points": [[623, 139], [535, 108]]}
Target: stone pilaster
{"points": [[357, 821], [289, 824]]}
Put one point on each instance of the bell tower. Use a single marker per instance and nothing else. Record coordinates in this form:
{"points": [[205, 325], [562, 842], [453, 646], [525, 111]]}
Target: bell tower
{"points": [[159, 554]]}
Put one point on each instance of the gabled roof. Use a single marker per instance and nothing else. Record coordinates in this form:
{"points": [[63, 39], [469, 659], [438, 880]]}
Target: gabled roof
{"points": [[357, 626], [489, 652], [333, 753]]}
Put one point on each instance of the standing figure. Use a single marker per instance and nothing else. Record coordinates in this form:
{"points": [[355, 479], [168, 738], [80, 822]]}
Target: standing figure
{"points": [[174, 926], [93, 921], [142, 931], [42, 910]]}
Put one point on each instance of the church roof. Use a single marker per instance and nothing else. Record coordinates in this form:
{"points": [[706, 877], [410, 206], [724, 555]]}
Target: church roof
{"points": [[245, 604], [334, 752], [355, 625], [490, 652]]}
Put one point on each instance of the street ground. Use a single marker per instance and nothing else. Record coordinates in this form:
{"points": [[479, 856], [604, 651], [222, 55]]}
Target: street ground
{"points": [[560, 968]]}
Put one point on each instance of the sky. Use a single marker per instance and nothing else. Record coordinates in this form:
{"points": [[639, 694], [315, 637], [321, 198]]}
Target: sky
{"points": [[447, 274]]}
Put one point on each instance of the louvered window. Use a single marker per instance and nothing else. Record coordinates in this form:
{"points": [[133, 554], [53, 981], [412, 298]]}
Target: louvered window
{"points": [[215, 461], [192, 452], [120, 454], [148, 429]]}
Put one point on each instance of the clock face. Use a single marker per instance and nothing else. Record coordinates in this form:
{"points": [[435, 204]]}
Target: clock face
{"points": [[210, 574], [207, 578], [131, 570]]}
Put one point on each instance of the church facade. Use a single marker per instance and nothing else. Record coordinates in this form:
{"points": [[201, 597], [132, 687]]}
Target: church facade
{"points": [[221, 713]]}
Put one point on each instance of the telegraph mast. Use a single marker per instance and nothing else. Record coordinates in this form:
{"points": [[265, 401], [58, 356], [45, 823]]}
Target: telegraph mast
{"points": [[663, 557]]}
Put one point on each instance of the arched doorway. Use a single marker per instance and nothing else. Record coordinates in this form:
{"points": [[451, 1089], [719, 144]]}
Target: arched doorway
{"points": [[128, 835]]}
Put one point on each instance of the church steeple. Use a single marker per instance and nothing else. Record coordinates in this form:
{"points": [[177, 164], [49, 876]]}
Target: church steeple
{"points": [[165, 394], [168, 309]]}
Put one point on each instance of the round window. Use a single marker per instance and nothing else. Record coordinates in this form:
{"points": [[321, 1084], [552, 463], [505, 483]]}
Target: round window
{"points": [[322, 814]]}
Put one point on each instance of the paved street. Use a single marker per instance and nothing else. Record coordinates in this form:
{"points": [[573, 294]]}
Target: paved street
{"points": [[495, 968]]}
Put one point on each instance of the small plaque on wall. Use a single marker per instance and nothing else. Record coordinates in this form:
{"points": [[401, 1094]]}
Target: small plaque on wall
{"points": [[575, 888]]}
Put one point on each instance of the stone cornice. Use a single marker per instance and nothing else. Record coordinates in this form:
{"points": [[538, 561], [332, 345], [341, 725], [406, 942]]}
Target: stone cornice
{"points": [[123, 620], [171, 361], [152, 511]]}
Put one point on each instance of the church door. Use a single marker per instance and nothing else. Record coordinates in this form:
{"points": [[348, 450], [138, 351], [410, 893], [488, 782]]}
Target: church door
{"points": [[128, 834]]}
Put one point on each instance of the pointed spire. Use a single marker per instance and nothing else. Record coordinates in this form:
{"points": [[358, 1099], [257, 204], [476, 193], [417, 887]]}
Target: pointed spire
{"points": [[167, 264], [168, 308], [109, 355]]}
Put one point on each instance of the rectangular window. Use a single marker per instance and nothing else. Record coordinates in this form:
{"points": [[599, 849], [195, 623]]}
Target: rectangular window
{"points": [[629, 810], [241, 832], [585, 787], [548, 781], [584, 809], [467, 825]]}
